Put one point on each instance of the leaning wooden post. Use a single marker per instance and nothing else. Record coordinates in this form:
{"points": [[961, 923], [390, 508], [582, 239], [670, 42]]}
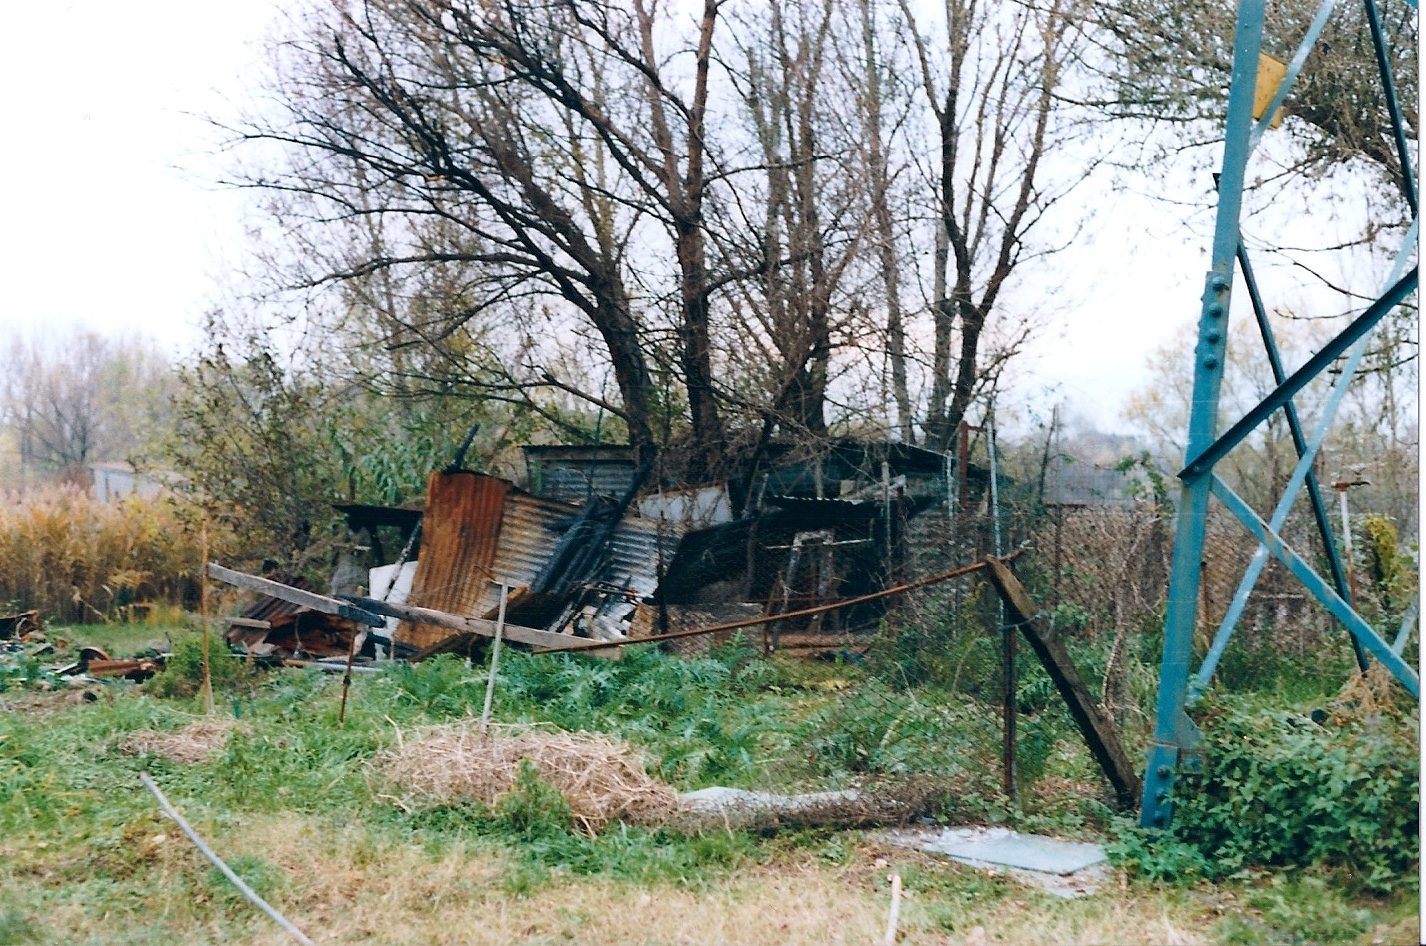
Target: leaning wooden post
{"points": [[203, 613], [494, 659], [1098, 732]]}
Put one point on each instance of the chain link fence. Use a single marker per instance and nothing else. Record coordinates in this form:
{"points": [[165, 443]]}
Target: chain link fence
{"points": [[931, 702]]}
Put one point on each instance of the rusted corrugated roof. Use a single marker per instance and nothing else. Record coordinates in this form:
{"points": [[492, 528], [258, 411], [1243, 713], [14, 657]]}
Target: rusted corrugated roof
{"points": [[528, 538], [460, 532]]}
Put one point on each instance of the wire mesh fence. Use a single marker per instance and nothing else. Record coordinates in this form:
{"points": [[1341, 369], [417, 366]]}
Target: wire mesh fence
{"points": [[931, 703]]}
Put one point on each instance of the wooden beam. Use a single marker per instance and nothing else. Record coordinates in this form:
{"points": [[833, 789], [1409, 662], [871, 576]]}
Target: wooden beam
{"points": [[308, 599], [1098, 733], [465, 624]]}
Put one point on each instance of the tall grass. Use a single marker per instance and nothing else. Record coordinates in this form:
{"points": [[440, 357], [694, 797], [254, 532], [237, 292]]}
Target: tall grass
{"points": [[79, 559]]}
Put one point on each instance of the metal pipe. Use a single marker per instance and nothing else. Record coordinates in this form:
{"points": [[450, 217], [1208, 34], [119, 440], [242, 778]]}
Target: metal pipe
{"points": [[1294, 68], [1203, 461], [1408, 620], [217, 862], [1299, 477], [769, 618], [1323, 592], [1009, 709], [1388, 84], [1260, 556], [1173, 731]]}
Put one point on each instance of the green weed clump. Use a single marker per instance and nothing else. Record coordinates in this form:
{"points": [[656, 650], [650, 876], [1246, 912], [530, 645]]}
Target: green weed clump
{"points": [[182, 675], [1279, 790]]}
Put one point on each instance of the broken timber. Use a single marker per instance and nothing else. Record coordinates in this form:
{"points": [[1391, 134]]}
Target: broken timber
{"points": [[308, 599], [463, 624], [1098, 733], [373, 613]]}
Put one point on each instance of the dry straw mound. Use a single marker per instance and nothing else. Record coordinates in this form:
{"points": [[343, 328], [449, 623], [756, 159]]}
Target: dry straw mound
{"points": [[601, 779], [192, 744]]}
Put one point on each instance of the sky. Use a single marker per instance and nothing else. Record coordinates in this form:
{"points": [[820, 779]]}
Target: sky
{"points": [[113, 219]]}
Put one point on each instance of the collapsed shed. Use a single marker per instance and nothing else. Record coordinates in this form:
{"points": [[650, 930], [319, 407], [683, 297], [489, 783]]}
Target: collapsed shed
{"points": [[590, 551]]}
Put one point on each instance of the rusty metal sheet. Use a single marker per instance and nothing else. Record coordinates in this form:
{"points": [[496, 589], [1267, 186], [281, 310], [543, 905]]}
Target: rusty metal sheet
{"points": [[460, 534]]}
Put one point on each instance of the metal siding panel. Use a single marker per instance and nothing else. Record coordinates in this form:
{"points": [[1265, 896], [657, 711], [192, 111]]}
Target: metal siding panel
{"points": [[460, 532], [634, 553], [526, 540]]}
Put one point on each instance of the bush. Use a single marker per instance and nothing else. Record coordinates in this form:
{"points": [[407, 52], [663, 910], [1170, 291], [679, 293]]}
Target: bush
{"points": [[1280, 790], [182, 675]]}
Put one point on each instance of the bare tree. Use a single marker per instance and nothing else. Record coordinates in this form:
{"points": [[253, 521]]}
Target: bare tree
{"points": [[799, 223], [540, 148], [992, 86], [1169, 63], [876, 74], [80, 398]]}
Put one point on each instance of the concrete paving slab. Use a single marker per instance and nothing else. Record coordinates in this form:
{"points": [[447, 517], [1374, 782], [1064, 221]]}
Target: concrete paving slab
{"points": [[1005, 848], [1063, 868]]}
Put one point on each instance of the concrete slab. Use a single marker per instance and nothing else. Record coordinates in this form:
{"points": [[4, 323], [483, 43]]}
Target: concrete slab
{"points": [[1005, 848], [1063, 868]]}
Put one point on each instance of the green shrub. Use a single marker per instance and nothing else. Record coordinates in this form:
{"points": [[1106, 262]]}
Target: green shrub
{"points": [[182, 675], [533, 808], [1279, 790]]}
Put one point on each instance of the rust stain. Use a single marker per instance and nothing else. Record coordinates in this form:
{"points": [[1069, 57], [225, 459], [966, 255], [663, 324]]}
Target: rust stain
{"points": [[459, 538]]}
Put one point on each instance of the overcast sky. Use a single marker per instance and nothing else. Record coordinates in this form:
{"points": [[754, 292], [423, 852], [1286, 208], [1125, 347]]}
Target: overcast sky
{"points": [[112, 220]]}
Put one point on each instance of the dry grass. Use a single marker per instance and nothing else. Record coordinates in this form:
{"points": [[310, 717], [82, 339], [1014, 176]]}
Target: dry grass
{"points": [[77, 559], [346, 884], [345, 887], [191, 745], [601, 779]]}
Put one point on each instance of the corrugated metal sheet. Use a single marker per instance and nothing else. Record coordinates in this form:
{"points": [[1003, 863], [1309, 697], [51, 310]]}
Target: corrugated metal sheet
{"points": [[636, 551], [639, 552], [570, 482], [473, 544], [460, 533], [528, 538]]}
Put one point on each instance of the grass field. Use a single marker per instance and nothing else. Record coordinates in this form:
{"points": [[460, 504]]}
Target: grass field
{"points": [[292, 802]]}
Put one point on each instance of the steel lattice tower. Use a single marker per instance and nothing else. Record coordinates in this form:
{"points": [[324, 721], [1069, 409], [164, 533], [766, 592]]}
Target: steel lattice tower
{"points": [[1175, 736]]}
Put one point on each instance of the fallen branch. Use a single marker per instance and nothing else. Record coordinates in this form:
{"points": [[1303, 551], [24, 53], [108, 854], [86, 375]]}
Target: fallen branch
{"points": [[243, 888]]}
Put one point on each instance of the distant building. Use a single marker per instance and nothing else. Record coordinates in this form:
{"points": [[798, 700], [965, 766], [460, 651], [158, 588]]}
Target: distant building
{"points": [[1076, 483], [114, 481]]}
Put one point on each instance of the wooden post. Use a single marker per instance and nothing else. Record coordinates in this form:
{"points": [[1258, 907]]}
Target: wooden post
{"points": [[494, 659], [1098, 733], [203, 612], [894, 914]]}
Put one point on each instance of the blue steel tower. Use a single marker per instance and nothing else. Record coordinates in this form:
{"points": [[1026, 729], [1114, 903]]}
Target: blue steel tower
{"points": [[1175, 737]]}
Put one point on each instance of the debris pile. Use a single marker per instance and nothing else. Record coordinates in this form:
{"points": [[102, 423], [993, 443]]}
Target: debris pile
{"points": [[597, 549], [602, 780], [30, 656]]}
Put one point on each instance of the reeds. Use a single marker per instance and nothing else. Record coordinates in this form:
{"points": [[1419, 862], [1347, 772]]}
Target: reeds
{"points": [[79, 559]]}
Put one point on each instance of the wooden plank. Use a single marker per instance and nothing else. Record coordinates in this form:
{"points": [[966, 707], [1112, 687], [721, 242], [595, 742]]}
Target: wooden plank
{"points": [[308, 599], [465, 624], [247, 622], [1099, 735]]}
